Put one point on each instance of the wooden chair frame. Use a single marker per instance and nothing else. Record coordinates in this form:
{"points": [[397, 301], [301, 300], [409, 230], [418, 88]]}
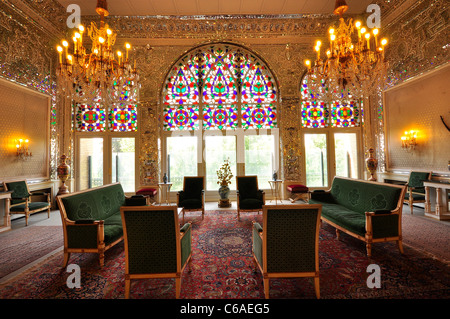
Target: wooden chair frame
{"points": [[239, 210], [266, 275], [179, 235], [27, 212]]}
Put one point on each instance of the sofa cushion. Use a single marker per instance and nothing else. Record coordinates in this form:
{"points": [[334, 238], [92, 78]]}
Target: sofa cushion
{"points": [[344, 217]]}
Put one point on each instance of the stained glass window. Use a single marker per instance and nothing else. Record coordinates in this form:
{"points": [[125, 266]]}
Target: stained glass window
{"points": [[321, 108], [221, 85], [344, 114], [90, 118], [123, 118], [314, 114]]}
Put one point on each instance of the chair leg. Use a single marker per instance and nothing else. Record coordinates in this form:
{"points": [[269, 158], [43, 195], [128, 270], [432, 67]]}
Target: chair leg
{"points": [[369, 249], [266, 287], [26, 219], [400, 246], [317, 287], [66, 259], [48, 213], [127, 288], [177, 287]]}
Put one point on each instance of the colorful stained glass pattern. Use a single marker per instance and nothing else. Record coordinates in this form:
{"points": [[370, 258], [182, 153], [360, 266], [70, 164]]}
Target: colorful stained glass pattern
{"points": [[219, 84], [123, 118], [90, 118], [260, 116], [258, 87], [344, 114], [181, 118], [220, 117], [314, 114]]}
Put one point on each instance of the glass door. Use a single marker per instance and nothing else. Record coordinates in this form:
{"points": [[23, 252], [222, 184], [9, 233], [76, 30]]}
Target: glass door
{"points": [[260, 159], [345, 154], [123, 162], [316, 160], [217, 150], [90, 163], [181, 159]]}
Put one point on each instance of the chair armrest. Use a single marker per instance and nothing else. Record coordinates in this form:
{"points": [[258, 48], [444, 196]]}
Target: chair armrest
{"points": [[186, 242], [257, 246], [322, 195], [86, 234], [257, 227], [185, 227]]}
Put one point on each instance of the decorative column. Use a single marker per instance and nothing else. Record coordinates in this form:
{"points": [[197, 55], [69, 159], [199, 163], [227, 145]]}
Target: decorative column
{"points": [[290, 140], [149, 134]]}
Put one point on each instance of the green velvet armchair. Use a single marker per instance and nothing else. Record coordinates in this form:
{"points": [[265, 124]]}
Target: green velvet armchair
{"points": [[415, 192], [21, 200], [192, 197], [249, 196], [288, 244], [155, 246]]}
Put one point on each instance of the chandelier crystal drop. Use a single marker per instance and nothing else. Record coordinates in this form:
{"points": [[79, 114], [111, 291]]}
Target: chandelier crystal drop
{"points": [[97, 75], [354, 65]]}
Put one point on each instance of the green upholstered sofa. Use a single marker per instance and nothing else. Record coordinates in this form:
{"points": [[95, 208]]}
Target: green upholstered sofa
{"points": [[91, 219], [369, 211]]}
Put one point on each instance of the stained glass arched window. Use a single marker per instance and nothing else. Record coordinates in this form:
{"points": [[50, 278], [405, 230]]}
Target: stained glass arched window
{"points": [[220, 87]]}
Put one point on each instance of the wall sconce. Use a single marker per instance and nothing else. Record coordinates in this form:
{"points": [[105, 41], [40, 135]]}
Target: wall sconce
{"points": [[409, 140], [22, 151]]}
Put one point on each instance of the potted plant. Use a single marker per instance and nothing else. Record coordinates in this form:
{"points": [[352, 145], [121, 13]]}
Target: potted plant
{"points": [[224, 175]]}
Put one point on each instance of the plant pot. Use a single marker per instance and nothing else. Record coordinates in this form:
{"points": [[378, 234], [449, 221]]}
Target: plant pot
{"points": [[224, 192]]}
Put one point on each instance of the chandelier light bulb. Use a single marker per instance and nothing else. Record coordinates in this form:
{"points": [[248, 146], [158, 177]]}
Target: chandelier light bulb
{"points": [[358, 24], [94, 72]]}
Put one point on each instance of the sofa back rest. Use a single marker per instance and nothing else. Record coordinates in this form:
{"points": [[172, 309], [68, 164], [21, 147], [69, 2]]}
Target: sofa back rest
{"points": [[365, 196], [96, 203]]}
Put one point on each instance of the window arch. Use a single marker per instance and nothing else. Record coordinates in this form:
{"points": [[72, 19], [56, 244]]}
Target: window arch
{"points": [[219, 101], [219, 86]]}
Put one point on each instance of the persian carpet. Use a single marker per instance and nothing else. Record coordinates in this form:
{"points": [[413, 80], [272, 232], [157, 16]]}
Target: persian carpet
{"points": [[23, 246], [222, 268]]}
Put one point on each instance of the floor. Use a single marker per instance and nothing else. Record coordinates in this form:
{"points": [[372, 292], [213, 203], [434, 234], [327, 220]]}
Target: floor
{"points": [[40, 219]]}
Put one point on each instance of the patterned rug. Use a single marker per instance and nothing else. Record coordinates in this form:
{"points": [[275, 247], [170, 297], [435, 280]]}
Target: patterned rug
{"points": [[222, 268], [23, 246]]}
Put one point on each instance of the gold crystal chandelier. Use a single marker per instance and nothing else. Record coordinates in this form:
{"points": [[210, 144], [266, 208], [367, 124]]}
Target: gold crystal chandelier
{"points": [[97, 75], [354, 64]]}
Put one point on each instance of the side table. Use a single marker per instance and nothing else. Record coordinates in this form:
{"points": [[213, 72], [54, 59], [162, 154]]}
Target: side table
{"points": [[275, 186], [164, 192]]}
